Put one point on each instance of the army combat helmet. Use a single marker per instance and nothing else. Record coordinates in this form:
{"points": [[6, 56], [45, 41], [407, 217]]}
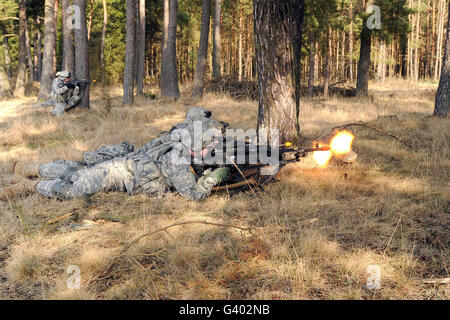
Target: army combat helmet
{"points": [[63, 74], [197, 113], [200, 132]]}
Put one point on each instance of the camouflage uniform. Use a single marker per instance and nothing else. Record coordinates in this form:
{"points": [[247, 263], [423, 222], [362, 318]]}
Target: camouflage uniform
{"points": [[63, 97], [62, 170], [160, 167]]}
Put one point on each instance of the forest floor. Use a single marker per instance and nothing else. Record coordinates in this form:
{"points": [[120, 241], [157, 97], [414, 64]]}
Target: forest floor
{"points": [[314, 234]]}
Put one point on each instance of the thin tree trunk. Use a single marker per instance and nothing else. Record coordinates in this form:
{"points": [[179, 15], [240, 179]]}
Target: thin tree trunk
{"points": [[217, 39], [362, 81], [89, 22], [19, 90], [350, 42], [326, 82], [404, 55], [381, 58], [240, 48], [39, 51], [102, 46], [442, 106], [416, 62], [141, 49], [312, 64], [169, 76], [5, 89], [128, 78], [7, 55], [55, 21], [136, 44], [30, 60], [82, 55], [343, 73], [68, 48], [278, 34], [433, 37], [49, 43], [35, 53], [199, 81]]}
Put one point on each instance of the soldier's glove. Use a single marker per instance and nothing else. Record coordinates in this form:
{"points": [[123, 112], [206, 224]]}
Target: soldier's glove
{"points": [[76, 91], [207, 183], [212, 179], [220, 175]]}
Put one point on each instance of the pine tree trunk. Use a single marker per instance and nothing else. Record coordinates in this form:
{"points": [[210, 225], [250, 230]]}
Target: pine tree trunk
{"points": [[38, 50], [169, 76], [404, 55], [443, 94], [130, 54], [240, 48], [326, 82], [312, 64], [141, 49], [68, 48], [5, 89], [82, 55], [350, 41], [102, 45], [362, 81], [19, 90], [217, 39], [55, 22], [199, 80], [136, 44], [49, 44], [278, 34], [343, 73], [35, 53], [439, 42], [381, 58], [30, 60], [89, 21], [416, 62], [7, 55]]}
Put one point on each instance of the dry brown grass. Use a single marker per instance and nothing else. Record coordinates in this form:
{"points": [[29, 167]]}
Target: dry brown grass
{"points": [[315, 232]]}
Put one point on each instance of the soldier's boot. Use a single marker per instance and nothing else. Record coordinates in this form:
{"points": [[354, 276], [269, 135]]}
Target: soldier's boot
{"points": [[27, 169], [56, 188], [18, 189], [59, 109], [349, 157]]}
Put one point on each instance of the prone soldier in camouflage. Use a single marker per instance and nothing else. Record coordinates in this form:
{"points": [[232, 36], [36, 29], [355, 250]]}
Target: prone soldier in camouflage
{"points": [[62, 97], [160, 167]]}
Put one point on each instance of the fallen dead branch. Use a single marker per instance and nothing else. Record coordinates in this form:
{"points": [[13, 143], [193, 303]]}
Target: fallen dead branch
{"points": [[148, 234], [437, 281], [63, 217], [365, 125]]}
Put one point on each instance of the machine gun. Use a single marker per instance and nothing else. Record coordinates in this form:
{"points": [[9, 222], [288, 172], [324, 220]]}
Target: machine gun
{"points": [[71, 84], [250, 173]]}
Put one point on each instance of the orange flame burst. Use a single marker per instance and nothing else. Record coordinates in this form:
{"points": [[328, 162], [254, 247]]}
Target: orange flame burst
{"points": [[322, 157], [340, 144]]}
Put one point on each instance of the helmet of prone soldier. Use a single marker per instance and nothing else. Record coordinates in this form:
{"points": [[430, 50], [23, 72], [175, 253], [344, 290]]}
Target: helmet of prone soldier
{"points": [[202, 135], [63, 74], [197, 113]]}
